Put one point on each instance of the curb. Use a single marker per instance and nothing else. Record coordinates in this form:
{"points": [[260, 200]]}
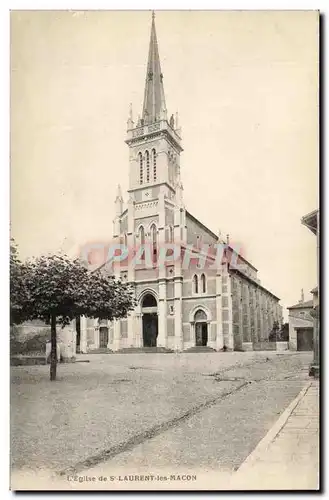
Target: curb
{"points": [[273, 432]]}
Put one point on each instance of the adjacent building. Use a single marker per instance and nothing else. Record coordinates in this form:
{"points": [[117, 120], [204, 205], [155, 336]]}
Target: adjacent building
{"points": [[301, 325], [312, 222]]}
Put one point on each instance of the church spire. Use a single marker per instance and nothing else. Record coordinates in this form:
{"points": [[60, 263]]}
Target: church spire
{"points": [[154, 108]]}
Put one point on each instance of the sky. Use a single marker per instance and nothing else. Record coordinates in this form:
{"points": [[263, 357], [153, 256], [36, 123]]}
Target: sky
{"points": [[245, 86]]}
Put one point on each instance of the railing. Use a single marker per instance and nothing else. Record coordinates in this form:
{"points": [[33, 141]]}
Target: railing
{"points": [[153, 127], [147, 129]]}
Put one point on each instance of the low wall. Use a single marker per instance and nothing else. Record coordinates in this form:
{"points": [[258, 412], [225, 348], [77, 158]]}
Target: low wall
{"points": [[282, 346], [29, 329], [27, 360], [33, 338], [264, 346], [271, 346], [247, 346]]}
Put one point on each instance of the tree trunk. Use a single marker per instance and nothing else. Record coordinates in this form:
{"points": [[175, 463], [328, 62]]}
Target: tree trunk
{"points": [[53, 352]]}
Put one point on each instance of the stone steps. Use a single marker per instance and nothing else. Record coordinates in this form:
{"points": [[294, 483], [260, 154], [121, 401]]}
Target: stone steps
{"points": [[100, 350], [202, 348], [129, 350]]}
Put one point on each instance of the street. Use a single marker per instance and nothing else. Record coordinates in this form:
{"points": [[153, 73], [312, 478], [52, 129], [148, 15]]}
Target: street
{"points": [[183, 413]]}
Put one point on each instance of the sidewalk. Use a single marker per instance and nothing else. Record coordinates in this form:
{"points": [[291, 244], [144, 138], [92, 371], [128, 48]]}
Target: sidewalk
{"points": [[288, 456]]}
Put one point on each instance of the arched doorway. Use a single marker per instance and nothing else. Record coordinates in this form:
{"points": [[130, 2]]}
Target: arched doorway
{"points": [[103, 334], [150, 320], [78, 331], [201, 328]]}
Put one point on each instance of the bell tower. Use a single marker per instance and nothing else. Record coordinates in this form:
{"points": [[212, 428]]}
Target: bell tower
{"points": [[154, 140]]}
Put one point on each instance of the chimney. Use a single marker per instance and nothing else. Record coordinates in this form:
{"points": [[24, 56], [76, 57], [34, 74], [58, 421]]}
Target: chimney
{"points": [[302, 296]]}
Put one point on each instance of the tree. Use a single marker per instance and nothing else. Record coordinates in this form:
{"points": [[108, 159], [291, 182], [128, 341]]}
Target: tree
{"points": [[18, 291], [284, 332], [273, 337], [60, 289]]}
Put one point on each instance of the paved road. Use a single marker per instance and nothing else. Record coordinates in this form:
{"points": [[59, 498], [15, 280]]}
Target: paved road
{"points": [[221, 436], [142, 412]]}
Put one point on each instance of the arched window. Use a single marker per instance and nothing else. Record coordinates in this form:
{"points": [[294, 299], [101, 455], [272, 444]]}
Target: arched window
{"points": [[154, 162], [195, 284], [154, 234], [171, 234], [154, 240], [141, 235], [140, 161], [203, 283], [142, 242], [147, 159]]}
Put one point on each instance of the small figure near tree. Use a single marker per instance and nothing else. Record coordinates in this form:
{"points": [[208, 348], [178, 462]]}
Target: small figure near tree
{"points": [[56, 289]]}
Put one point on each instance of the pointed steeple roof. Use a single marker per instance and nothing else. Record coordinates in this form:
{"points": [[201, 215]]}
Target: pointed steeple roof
{"points": [[154, 107], [119, 193]]}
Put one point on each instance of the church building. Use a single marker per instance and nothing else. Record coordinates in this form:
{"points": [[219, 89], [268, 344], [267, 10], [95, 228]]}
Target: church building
{"points": [[194, 301]]}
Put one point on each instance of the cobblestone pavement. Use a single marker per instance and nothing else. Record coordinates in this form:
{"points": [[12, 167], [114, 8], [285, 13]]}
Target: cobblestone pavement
{"points": [[134, 411]]}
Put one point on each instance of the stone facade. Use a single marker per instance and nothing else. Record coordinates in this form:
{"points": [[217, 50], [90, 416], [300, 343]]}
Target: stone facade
{"points": [[193, 298]]}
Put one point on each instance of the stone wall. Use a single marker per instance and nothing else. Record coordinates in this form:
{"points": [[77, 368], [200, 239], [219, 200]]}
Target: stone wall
{"points": [[66, 337], [30, 329]]}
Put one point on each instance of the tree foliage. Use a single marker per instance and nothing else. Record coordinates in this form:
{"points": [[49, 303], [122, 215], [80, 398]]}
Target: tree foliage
{"points": [[284, 332], [18, 291], [56, 289], [278, 333], [58, 286], [273, 336]]}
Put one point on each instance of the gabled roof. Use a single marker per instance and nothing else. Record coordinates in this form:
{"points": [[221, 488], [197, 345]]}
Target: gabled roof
{"points": [[205, 228], [302, 305], [311, 221]]}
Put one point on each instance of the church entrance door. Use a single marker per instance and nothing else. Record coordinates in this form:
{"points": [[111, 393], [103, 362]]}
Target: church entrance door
{"points": [[103, 336], [150, 329], [201, 328], [150, 320], [201, 334]]}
